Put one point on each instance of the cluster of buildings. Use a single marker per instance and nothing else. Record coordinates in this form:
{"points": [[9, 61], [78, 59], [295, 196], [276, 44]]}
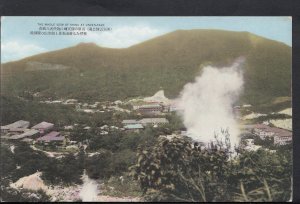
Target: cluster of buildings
{"points": [[140, 124], [96, 107], [40, 133], [280, 136], [156, 105], [101, 107]]}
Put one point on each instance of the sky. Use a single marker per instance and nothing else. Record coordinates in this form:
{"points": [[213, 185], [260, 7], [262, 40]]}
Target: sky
{"points": [[17, 42]]}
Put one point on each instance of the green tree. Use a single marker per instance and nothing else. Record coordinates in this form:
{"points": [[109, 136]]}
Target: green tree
{"points": [[99, 165]]}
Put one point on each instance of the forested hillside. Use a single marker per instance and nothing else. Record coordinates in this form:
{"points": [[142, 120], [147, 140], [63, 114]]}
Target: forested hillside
{"points": [[87, 71]]}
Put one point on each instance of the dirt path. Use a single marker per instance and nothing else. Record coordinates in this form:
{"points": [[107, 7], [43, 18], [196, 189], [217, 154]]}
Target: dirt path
{"points": [[50, 154]]}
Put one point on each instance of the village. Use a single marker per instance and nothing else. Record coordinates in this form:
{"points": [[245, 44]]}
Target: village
{"points": [[148, 112], [135, 118]]}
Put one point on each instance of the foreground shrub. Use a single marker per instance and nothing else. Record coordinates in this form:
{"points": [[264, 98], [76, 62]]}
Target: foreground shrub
{"points": [[176, 170]]}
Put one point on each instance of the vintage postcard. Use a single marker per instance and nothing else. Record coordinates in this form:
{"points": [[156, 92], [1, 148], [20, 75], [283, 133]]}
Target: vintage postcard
{"points": [[106, 109]]}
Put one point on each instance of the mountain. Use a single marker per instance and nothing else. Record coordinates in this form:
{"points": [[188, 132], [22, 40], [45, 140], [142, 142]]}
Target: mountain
{"points": [[168, 62]]}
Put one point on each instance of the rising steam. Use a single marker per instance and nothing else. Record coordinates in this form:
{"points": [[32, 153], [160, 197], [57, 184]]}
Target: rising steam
{"points": [[207, 103], [89, 190]]}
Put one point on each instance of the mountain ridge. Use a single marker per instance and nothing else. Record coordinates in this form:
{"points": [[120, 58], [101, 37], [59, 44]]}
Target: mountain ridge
{"points": [[95, 45], [125, 72]]}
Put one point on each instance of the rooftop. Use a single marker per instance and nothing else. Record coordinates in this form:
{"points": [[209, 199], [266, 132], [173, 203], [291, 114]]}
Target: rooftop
{"points": [[52, 136], [18, 129], [17, 124], [25, 134], [281, 132], [43, 125], [261, 126], [134, 126]]}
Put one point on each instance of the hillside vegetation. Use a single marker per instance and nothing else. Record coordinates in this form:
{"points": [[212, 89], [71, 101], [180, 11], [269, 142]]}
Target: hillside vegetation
{"points": [[166, 62]]}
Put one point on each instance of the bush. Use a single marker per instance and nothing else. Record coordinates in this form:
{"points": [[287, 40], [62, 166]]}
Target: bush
{"points": [[26, 158], [121, 187], [130, 141], [122, 160], [8, 163], [67, 170], [9, 194], [99, 165], [110, 141], [176, 170], [268, 142]]}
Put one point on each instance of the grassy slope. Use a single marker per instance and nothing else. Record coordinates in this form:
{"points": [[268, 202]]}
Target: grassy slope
{"points": [[166, 62]]}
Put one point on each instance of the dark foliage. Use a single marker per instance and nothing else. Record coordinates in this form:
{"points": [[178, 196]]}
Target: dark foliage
{"points": [[176, 170], [66, 170]]}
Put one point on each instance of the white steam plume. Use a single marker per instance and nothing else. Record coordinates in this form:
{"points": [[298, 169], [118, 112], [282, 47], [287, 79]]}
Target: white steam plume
{"points": [[206, 105], [89, 189]]}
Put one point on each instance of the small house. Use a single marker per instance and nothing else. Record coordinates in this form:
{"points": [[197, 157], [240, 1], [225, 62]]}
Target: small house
{"points": [[17, 124], [281, 136], [43, 127], [52, 137]]}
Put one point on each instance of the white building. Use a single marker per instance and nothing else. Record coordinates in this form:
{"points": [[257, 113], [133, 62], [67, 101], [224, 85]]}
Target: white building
{"points": [[281, 136]]}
